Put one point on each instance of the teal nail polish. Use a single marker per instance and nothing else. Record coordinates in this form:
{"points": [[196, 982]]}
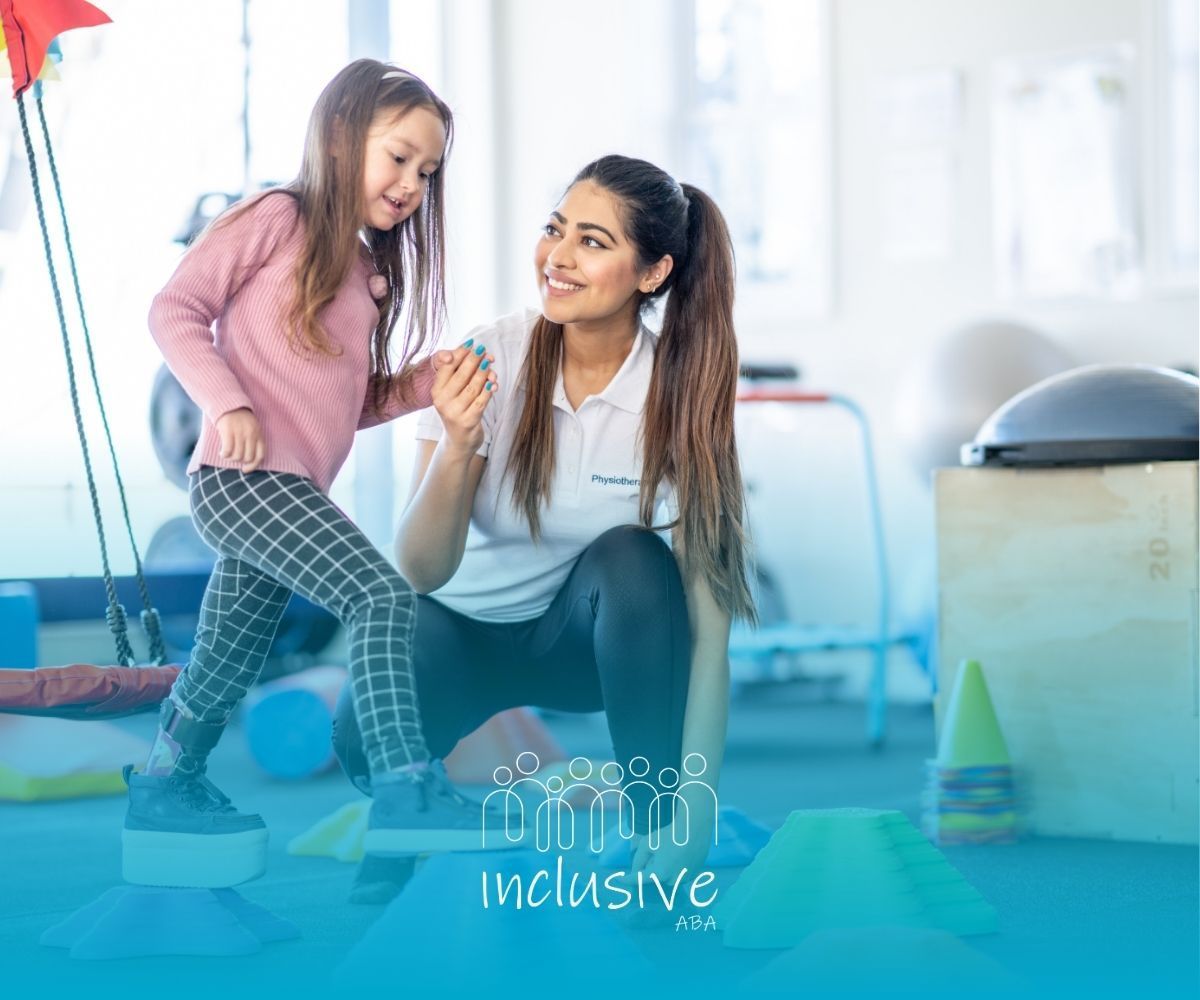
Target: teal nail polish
{"points": [[483, 367], [480, 349], [469, 342], [488, 386]]}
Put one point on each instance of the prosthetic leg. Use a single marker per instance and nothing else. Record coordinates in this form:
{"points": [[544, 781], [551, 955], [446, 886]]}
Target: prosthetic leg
{"points": [[180, 829]]}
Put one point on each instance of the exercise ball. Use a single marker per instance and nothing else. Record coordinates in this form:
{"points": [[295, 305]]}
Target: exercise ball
{"points": [[175, 423], [176, 547], [946, 393], [176, 550], [1095, 415]]}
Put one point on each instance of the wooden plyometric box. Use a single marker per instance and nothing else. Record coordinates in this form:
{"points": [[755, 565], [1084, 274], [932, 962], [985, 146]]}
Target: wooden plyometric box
{"points": [[1076, 589]]}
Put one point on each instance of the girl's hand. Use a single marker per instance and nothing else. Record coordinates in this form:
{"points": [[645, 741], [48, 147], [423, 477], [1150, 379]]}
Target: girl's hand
{"points": [[242, 438], [461, 390]]}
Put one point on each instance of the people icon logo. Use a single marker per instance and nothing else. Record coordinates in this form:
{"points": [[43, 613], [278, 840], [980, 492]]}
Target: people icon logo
{"points": [[554, 823], [542, 815]]}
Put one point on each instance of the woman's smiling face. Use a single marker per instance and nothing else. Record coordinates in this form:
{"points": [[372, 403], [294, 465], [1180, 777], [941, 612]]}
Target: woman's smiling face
{"points": [[587, 269]]}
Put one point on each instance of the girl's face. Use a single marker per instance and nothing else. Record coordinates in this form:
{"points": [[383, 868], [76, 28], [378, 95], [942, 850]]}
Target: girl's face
{"points": [[400, 156], [587, 270]]}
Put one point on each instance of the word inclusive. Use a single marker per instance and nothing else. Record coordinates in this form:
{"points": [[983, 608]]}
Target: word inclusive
{"points": [[542, 887]]}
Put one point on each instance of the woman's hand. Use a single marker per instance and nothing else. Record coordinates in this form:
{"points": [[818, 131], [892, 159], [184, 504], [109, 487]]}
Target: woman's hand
{"points": [[670, 858], [461, 390], [667, 862], [242, 438]]}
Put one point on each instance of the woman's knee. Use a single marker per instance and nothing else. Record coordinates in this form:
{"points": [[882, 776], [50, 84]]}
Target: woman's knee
{"points": [[631, 573], [632, 560], [629, 548]]}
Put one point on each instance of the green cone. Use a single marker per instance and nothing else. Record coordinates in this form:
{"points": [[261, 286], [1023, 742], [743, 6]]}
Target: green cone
{"points": [[970, 733]]}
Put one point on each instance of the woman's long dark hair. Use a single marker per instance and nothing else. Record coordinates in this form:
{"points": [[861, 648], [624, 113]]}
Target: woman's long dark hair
{"points": [[687, 429]]}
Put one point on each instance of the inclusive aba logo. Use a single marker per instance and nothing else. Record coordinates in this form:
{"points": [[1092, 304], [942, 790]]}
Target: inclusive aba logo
{"points": [[583, 810]]}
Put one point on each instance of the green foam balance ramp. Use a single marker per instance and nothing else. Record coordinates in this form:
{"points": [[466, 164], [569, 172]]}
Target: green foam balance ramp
{"points": [[866, 867]]}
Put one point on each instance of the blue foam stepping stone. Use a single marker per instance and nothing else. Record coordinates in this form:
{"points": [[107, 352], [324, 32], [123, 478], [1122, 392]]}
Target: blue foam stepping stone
{"points": [[500, 943], [739, 839], [141, 921], [259, 921]]}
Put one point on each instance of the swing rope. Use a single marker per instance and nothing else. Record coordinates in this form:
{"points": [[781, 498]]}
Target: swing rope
{"points": [[149, 615], [115, 614]]}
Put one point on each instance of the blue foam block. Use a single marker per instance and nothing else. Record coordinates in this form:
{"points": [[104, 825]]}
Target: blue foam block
{"points": [[739, 839], [18, 626]]}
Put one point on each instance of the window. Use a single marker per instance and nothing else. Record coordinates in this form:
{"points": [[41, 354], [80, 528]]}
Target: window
{"points": [[1064, 175], [758, 142], [1180, 78]]}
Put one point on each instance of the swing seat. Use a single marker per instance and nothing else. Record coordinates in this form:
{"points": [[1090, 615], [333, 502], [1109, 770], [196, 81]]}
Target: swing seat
{"points": [[83, 691]]}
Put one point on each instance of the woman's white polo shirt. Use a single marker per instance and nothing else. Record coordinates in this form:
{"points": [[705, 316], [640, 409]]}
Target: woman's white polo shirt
{"points": [[504, 575]]}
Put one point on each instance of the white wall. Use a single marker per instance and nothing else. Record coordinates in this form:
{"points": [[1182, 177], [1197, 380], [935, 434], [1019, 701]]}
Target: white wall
{"points": [[876, 38], [580, 80]]}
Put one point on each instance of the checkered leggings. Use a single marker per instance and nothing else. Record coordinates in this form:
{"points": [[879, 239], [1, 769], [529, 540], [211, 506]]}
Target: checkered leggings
{"points": [[275, 533]]}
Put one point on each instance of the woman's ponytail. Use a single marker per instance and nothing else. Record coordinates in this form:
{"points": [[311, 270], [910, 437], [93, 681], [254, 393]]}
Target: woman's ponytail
{"points": [[689, 426]]}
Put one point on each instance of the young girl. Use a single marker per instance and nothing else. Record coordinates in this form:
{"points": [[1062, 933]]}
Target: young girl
{"points": [[278, 323]]}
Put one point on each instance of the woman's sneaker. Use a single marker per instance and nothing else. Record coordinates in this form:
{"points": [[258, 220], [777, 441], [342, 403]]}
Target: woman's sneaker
{"points": [[379, 879], [180, 830], [420, 811]]}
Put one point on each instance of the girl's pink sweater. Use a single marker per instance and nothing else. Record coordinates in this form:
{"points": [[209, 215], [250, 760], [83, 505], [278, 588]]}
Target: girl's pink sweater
{"points": [[220, 325]]}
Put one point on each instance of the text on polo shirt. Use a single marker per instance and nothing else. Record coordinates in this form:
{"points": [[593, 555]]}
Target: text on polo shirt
{"points": [[615, 480]]}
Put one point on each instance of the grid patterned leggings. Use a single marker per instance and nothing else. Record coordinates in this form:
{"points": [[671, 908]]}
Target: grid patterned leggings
{"points": [[275, 533]]}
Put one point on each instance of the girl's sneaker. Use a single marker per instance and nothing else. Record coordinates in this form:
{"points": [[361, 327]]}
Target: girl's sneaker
{"points": [[180, 830], [420, 811]]}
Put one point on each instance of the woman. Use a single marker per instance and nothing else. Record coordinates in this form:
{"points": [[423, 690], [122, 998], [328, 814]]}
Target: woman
{"points": [[529, 521]]}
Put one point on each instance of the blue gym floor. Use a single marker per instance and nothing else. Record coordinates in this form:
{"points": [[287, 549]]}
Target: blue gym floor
{"points": [[1076, 917]]}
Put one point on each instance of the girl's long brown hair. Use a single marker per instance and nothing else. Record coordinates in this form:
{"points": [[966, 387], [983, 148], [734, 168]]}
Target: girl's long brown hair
{"points": [[329, 194], [687, 425]]}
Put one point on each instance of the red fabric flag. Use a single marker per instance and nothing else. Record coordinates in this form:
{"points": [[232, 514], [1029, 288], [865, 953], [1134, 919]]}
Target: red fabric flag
{"points": [[31, 25]]}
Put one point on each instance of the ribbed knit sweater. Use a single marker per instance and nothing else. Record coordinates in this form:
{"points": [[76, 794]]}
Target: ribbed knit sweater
{"points": [[220, 325]]}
